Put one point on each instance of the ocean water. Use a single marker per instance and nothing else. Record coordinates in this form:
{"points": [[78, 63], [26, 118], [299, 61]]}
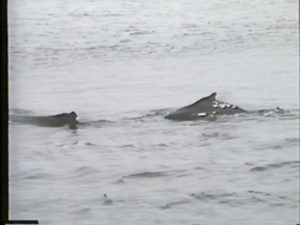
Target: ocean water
{"points": [[121, 65]]}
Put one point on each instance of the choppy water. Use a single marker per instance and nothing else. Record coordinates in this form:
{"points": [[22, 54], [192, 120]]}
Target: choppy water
{"points": [[121, 65]]}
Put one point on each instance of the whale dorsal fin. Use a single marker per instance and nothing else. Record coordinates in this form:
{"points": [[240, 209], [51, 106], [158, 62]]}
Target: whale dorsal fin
{"points": [[209, 98], [212, 96]]}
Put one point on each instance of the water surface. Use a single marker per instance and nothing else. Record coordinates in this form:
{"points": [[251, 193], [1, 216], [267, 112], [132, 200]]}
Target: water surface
{"points": [[121, 65]]}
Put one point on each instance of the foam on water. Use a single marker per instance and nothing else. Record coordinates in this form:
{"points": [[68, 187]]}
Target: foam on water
{"points": [[121, 66]]}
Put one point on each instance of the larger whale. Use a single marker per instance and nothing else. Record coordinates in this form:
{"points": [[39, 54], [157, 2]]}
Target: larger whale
{"points": [[205, 108]]}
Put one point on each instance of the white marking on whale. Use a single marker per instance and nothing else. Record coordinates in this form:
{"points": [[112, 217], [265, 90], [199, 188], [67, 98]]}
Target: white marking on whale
{"points": [[202, 114]]}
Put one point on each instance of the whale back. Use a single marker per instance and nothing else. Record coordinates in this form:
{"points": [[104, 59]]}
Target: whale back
{"points": [[48, 121], [206, 107]]}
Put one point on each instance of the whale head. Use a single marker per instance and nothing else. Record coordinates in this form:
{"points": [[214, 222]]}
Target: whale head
{"points": [[71, 120], [68, 118], [73, 114]]}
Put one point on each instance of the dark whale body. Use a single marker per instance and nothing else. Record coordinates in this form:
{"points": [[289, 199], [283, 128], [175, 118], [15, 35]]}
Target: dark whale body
{"points": [[205, 108], [58, 120]]}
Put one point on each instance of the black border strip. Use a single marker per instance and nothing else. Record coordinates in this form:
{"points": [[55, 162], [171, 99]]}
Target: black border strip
{"points": [[4, 195], [4, 153], [22, 222]]}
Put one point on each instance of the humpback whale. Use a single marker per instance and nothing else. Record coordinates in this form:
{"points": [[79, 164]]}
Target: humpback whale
{"points": [[57, 120], [205, 108]]}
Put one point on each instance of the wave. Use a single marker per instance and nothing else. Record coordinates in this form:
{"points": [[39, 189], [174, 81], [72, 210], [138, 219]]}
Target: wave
{"points": [[275, 165], [147, 174], [95, 123], [151, 174], [206, 196], [176, 203]]}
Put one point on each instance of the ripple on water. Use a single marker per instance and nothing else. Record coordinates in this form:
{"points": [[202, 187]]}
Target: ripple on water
{"points": [[293, 164], [38, 175], [216, 135], [147, 175], [176, 203], [207, 196], [151, 174], [268, 146], [292, 141], [243, 198], [84, 171], [259, 192], [96, 123]]}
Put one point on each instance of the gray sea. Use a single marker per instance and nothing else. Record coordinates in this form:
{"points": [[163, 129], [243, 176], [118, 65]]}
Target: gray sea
{"points": [[121, 65]]}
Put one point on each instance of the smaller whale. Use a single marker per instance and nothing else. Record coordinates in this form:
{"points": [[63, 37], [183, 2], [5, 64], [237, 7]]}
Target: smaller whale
{"points": [[205, 108], [58, 120]]}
